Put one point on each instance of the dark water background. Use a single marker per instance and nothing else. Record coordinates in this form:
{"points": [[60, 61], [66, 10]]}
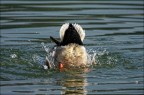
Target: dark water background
{"points": [[114, 30]]}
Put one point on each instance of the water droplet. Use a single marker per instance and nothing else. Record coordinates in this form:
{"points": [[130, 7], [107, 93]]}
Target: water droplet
{"points": [[45, 67], [13, 55], [136, 82]]}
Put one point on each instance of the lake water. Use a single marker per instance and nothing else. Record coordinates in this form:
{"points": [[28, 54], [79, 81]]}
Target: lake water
{"points": [[114, 31]]}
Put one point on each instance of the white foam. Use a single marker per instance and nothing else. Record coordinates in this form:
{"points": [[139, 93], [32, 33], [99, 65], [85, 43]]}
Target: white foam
{"points": [[13, 55]]}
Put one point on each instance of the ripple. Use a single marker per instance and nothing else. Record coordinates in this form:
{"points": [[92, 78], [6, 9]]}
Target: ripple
{"points": [[114, 31]]}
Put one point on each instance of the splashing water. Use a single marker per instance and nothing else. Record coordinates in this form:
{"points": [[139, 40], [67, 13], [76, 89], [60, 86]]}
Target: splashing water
{"points": [[97, 56], [49, 57], [13, 55]]}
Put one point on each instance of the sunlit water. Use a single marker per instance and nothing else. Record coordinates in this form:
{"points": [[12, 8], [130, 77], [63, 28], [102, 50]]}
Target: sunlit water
{"points": [[114, 32]]}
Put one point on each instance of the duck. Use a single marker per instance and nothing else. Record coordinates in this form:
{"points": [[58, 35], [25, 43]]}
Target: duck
{"points": [[70, 51]]}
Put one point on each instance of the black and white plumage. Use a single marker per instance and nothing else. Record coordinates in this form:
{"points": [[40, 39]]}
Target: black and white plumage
{"points": [[70, 33], [70, 50]]}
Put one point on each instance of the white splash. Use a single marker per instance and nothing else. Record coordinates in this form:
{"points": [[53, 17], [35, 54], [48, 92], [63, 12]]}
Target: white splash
{"points": [[45, 48], [95, 56], [50, 56], [13, 55]]}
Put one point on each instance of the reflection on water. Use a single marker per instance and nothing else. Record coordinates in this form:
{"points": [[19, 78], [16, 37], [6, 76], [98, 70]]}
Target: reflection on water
{"points": [[73, 85], [114, 31]]}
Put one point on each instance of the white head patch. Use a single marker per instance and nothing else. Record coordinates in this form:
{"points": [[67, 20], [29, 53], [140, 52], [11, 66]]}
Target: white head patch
{"points": [[77, 27]]}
